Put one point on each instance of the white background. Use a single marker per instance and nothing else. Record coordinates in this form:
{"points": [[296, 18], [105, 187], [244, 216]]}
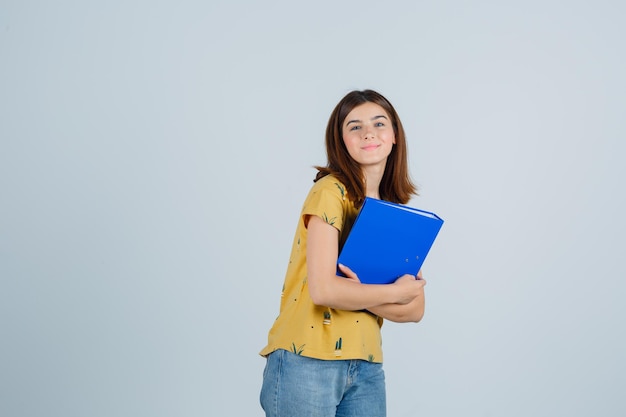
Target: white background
{"points": [[154, 157]]}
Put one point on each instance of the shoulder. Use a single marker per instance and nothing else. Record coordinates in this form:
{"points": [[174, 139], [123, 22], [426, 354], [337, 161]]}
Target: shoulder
{"points": [[327, 199], [330, 184]]}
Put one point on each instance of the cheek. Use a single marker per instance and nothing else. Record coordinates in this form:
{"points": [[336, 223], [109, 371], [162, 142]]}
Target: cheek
{"points": [[349, 141], [351, 146]]}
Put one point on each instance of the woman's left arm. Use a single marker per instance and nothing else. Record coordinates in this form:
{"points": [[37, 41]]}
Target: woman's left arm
{"points": [[399, 313], [405, 313]]}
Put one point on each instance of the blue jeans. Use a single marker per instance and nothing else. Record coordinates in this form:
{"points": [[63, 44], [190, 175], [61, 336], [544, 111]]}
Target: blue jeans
{"points": [[297, 386]]}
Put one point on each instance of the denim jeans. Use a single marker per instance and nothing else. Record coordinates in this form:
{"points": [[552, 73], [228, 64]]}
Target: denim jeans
{"points": [[297, 386]]}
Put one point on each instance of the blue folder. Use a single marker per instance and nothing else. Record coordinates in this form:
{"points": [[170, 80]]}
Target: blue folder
{"points": [[388, 240]]}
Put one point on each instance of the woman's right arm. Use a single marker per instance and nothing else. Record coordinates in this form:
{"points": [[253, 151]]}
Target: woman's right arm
{"points": [[330, 290]]}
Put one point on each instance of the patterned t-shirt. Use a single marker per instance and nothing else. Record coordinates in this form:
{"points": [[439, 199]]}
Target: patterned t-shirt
{"points": [[317, 331]]}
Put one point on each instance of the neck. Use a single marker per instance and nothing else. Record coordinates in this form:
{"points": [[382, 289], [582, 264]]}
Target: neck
{"points": [[373, 177]]}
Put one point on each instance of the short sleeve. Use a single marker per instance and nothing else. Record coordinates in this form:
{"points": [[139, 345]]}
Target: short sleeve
{"points": [[327, 200]]}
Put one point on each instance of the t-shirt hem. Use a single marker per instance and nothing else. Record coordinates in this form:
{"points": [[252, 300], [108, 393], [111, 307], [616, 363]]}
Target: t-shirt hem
{"points": [[325, 356]]}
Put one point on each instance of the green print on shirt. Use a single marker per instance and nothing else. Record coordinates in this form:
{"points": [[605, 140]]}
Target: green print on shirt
{"points": [[329, 221], [341, 190], [326, 317], [370, 358], [338, 344], [297, 351]]}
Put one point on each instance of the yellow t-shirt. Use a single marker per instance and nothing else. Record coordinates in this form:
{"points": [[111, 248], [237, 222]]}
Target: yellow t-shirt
{"points": [[317, 331]]}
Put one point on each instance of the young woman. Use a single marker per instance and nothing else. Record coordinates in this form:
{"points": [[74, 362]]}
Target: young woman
{"points": [[324, 355]]}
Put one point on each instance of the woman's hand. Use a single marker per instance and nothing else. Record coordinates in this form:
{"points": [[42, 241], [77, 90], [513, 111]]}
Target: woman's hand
{"points": [[409, 287], [403, 313]]}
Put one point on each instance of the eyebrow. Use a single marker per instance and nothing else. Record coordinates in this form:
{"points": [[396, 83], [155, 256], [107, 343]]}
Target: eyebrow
{"points": [[373, 118]]}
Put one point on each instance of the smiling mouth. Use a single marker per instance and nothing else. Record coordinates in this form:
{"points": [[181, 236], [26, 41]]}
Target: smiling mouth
{"points": [[369, 147]]}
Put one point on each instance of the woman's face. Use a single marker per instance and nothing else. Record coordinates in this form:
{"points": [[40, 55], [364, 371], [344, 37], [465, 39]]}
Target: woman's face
{"points": [[368, 135]]}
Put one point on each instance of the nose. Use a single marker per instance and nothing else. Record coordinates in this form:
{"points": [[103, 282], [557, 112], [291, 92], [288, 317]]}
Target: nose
{"points": [[368, 132]]}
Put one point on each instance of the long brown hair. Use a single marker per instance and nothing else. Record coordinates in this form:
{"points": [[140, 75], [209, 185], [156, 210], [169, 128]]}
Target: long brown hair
{"points": [[396, 184]]}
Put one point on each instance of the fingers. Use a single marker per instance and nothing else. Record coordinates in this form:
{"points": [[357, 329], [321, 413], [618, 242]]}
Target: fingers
{"points": [[411, 287], [407, 277], [417, 277], [349, 273], [345, 269]]}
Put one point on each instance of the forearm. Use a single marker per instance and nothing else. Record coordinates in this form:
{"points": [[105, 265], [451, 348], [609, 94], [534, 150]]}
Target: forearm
{"points": [[343, 294], [401, 313]]}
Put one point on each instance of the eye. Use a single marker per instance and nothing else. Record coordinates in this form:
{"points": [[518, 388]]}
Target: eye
{"points": [[379, 124], [355, 127]]}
